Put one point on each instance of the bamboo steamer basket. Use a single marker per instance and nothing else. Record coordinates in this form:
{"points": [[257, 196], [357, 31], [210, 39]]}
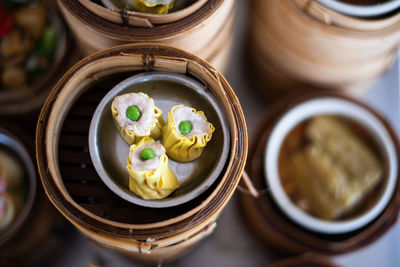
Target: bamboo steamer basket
{"points": [[311, 44], [134, 18], [19, 247], [76, 190], [27, 102], [273, 227], [308, 259], [206, 31]]}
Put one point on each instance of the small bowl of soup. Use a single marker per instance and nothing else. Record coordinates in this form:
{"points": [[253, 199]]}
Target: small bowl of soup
{"points": [[330, 165]]}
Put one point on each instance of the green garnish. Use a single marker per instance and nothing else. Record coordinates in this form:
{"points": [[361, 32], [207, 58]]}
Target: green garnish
{"points": [[48, 42], [185, 127], [147, 153], [133, 113]]}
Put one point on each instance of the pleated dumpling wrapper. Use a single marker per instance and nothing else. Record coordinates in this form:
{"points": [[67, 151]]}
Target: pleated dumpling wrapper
{"points": [[136, 116], [150, 176], [153, 6], [186, 133]]}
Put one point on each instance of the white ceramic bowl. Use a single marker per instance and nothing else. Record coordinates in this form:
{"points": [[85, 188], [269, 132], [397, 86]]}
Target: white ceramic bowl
{"points": [[334, 106], [361, 10]]}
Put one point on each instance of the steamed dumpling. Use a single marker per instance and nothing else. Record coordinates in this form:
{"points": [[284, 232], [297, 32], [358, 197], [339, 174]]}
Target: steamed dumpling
{"points": [[150, 176], [153, 6], [186, 133], [136, 116]]}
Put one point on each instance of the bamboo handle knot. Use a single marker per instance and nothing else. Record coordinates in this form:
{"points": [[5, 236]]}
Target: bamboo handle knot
{"points": [[250, 187], [148, 61], [249, 184], [140, 246], [124, 16]]}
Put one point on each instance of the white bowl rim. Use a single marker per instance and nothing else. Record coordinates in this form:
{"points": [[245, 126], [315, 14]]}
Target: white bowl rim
{"points": [[361, 10], [334, 106]]}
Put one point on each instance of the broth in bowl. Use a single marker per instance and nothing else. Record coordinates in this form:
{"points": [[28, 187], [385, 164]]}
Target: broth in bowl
{"points": [[331, 168]]}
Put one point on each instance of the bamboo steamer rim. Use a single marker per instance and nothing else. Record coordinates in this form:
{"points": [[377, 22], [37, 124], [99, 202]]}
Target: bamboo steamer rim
{"points": [[266, 217], [24, 100], [153, 253], [141, 34], [149, 243], [194, 66], [136, 18], [297, 12], [329, 16], [307, 259]]}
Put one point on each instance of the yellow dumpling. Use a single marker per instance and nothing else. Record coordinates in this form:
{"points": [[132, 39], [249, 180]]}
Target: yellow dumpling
{"points": [[136, 116], [186, 133], [150, 176], [153, 6]]}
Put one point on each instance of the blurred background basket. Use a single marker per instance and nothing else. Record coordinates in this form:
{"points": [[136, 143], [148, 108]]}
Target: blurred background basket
{"points": [[276, 229], [205, 31], [302, 44]]}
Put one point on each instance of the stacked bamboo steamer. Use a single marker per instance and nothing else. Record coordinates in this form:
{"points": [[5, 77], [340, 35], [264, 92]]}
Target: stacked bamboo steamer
{"points": [[204, 28], [307, 259], [301, 43], [74, 187]]}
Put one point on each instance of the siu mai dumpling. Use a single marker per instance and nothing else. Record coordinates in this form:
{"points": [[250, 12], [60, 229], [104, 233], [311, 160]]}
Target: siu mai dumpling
{"points": [[150, 176], [136, 116], [335, 170], [186, 133], [153, 6]]}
